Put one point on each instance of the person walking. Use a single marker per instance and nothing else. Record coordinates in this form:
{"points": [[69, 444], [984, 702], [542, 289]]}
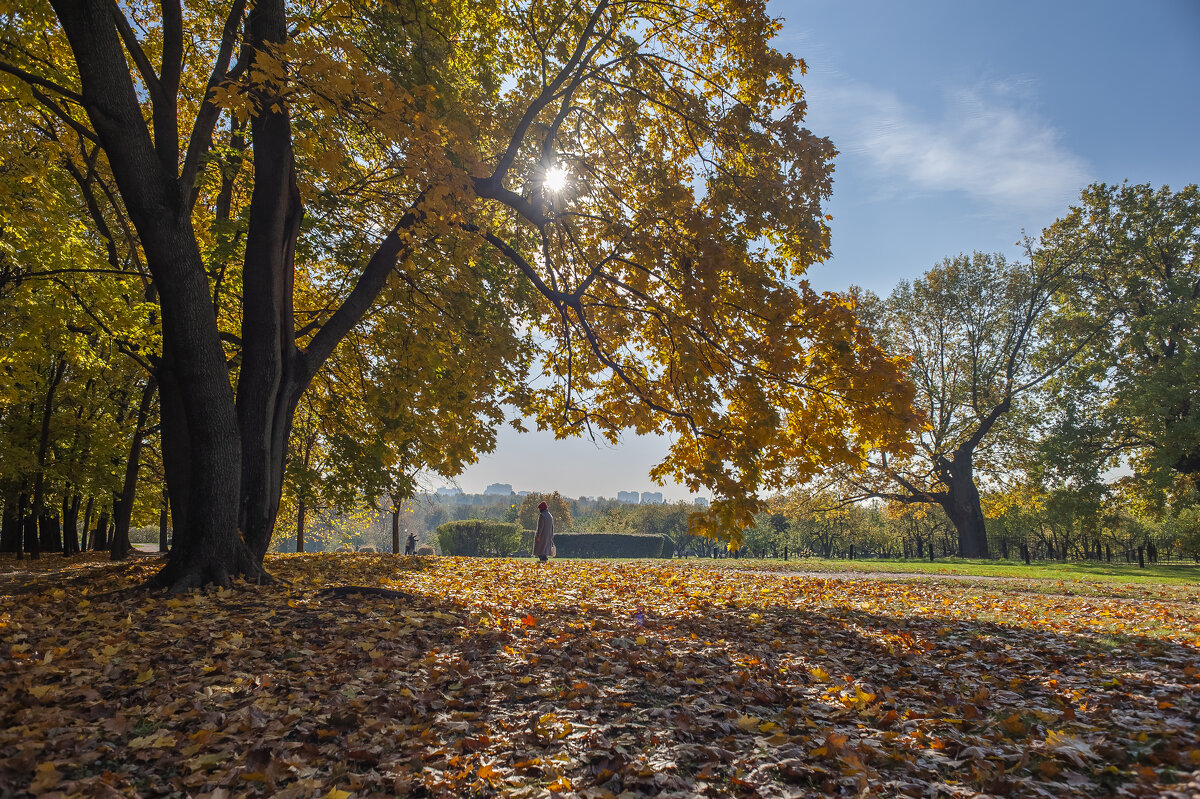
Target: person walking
{"points": [[543, 539]]}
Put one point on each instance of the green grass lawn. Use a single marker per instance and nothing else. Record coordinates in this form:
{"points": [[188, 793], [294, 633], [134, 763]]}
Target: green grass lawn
{"points": [[1084, 571]]}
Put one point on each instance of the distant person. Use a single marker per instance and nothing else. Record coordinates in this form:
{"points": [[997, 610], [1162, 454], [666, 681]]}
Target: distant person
{"points": [[410, 546], [543, 539]]}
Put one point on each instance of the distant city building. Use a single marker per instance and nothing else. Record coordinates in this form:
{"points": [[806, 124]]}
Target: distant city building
{"points": [[630, 497], [449, 491], [700, 502], [524, 493], [498, 489], [652, 498]]}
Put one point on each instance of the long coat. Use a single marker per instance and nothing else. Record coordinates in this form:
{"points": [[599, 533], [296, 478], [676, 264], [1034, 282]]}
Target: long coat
{"points": [[543, 539]]}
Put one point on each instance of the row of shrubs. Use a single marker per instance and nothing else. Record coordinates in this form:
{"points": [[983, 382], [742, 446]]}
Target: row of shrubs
{"points": [[480, 538]]}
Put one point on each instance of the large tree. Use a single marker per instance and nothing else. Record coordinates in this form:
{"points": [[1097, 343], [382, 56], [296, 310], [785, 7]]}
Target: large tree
{"points": [[1133, 392], [971, 331], [641, 168]]}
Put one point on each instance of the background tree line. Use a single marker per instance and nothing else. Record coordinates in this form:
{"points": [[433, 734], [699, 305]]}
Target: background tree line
{"points": [[1058, 393]]}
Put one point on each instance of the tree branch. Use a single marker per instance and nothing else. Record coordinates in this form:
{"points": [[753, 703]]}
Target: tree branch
{"points": [[200, 141]]}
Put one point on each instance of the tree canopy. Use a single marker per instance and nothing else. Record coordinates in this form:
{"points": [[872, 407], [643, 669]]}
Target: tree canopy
{"points": [[296, 179], [1134, 252]]}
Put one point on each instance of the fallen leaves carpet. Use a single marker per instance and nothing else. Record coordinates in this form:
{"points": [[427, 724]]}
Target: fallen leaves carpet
{"points": [[588, 678]]}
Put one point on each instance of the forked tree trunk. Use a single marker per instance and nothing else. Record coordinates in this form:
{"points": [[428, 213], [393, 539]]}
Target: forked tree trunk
{"points": [[223, 462], [146, 172], [961, 503]]}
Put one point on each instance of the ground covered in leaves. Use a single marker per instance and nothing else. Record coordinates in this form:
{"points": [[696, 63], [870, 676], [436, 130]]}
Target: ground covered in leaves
{"points": [[587, 678]]}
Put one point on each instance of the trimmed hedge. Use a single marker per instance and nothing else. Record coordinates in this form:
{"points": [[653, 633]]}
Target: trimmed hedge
{"points": [[608, 545], [479, 538]]}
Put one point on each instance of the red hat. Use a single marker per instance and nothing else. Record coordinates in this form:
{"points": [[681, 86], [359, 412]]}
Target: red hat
{"points": [[541, 506]]}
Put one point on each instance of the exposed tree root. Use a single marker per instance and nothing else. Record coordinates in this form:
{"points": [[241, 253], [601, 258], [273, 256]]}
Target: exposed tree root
{"points": [[347, 590], [180, 578]]}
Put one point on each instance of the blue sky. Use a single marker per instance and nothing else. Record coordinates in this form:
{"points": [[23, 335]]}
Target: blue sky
{"points": [[959, 125]]}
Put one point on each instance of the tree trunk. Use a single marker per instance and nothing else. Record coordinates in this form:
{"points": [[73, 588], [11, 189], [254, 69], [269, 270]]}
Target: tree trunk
{"points": [[71, 524], [962, 506], [223, 461], [269, 384], [123, 504], [100, 535], [10, 529], [301, 512], [50, 531], [146, 172], [118, 544], [164, 518], [87, 520], [39, 481], [395, 529]]}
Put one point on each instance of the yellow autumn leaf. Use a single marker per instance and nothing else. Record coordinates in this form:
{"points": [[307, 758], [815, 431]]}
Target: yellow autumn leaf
{"points": [[46, 778], [748, 723]]}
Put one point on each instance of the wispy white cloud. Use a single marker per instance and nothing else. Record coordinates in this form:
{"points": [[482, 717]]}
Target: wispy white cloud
{"points": [[985, 142]]}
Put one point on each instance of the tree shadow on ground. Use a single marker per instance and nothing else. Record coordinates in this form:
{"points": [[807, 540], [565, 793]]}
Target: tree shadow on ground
{"points": [[282, 691]]}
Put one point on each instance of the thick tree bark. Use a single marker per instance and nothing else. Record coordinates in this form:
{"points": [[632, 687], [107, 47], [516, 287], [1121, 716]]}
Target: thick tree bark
{"points": [[963, 508], [268, 386], [961, 497]]}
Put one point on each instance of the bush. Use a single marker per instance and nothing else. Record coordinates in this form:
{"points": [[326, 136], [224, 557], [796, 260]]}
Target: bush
{"points": [[425, 550], [479, 538], [144, 535], [608, 545]]}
